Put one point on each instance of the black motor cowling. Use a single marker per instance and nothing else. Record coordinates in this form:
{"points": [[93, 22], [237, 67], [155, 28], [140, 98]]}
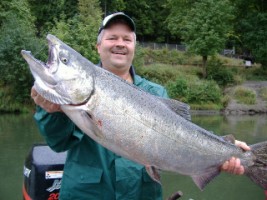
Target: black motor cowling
{"points": [[43, 170]]}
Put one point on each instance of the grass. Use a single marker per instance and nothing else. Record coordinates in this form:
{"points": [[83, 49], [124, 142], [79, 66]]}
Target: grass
{"points": [[245, 95], [263, 93]]}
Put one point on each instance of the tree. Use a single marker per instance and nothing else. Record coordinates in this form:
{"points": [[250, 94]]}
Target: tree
{"points": [[17, 32], [203, 25], [111, 6], [251, 20], [47, 12], [80, 31], [254, 36], [149, 17]]}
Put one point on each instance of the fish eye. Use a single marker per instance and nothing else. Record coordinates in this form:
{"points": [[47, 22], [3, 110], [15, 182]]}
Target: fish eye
{"points": [[64, 57], [64, 60]]}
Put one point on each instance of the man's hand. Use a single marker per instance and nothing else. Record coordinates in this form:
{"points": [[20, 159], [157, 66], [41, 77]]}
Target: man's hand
{"points": [[233, 165], [43, 103]]}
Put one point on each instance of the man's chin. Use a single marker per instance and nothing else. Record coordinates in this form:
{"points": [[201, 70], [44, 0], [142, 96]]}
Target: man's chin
{"points": [[120, 65]]}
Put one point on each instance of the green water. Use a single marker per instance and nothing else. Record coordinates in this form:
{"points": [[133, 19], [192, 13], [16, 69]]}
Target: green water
{"points": [[251, 129], [19, 132]]}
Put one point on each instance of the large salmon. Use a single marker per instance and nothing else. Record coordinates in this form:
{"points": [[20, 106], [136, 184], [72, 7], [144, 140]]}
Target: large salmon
{"points": [[152, 131]]}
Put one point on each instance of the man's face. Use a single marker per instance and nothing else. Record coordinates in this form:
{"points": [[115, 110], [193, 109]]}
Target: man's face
{"points": [[117, 47]]}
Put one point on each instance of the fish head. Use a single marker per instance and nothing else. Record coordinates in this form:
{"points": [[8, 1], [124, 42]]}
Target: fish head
{"points": [[66, 78]]}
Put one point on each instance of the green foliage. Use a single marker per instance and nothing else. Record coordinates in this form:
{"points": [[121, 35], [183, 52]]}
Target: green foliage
{"points": [[16, 33], [245, 95], [263, 93], [80, 32], [165, 56], [226, 100], [111, 6], [9, 105], [203, 25], [47, 12], [178, 89], [138, 61], [250, 26], [218, 72], [255, 35], [255, 73], [149, 17], [159, 73], [195, 91]]}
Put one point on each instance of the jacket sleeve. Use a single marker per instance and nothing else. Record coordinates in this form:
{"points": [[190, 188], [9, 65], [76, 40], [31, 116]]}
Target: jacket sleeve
{"points": [[164, 93], [57, 129]]}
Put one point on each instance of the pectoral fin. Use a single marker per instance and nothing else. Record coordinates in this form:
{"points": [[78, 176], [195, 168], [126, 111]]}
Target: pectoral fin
{"points": [[153, 173], [91, 125], [83, 119]]}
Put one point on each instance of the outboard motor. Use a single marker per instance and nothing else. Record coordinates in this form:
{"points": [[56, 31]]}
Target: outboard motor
{"points": [[43, 170]]}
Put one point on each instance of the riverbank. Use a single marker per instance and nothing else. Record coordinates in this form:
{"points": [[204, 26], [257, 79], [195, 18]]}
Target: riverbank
{"points": [[260, 106]]}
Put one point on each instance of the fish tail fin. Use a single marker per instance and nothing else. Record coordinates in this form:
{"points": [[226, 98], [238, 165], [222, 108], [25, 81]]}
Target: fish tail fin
{"points": [[258, 171]]}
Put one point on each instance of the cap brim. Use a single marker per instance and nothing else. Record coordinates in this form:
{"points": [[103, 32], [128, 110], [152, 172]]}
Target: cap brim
{"points": [[119, 15]]}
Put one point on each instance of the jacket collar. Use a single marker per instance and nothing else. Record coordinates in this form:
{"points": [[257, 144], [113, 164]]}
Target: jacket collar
{"points": [[132, 72]]}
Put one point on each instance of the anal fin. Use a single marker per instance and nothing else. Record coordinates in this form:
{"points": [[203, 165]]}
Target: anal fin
{"points": [[202, 180]]}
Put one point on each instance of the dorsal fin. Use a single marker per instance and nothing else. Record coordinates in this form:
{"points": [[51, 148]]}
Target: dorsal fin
{"points": [[229, 138], [178, 107]]}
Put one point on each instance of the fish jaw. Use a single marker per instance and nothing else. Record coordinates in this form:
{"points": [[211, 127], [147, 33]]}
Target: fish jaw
{"points": [[63, 79]]}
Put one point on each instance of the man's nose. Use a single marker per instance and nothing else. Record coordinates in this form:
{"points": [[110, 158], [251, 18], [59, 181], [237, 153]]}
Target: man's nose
{"points": [[120, 42]]}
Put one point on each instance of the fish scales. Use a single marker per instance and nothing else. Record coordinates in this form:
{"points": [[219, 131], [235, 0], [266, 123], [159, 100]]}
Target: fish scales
{"points": [[176, 132]]}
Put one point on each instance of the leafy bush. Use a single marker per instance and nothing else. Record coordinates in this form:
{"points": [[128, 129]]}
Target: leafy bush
{"points": [[195, 91], [218, 72], [178, 89]]}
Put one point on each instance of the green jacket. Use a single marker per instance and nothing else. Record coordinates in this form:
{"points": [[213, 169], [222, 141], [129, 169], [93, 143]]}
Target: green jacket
{"points": [[91, 171]]}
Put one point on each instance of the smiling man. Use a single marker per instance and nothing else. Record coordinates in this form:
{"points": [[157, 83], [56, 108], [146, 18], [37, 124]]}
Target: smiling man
{"points": [[116, 45], [91, 171]]}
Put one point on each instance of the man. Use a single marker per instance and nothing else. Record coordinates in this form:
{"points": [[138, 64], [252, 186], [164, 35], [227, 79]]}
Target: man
{"points": [[91, 171]]}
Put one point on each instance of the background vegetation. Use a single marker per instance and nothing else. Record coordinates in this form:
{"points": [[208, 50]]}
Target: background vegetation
{"points": [[197, 76]]}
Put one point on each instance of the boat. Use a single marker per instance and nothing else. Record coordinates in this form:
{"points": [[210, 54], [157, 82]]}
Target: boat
{"points": [[42, 172]]}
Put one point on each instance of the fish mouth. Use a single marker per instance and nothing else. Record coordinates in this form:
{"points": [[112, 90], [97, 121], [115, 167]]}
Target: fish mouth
{"points": [[61, 80], [52, 61], [39, 69]]}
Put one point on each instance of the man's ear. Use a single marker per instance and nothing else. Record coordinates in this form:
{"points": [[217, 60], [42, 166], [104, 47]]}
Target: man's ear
{"points": [[97, 46]]}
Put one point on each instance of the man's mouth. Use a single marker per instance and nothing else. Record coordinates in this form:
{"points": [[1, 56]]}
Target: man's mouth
{"points": [[119, 52]]}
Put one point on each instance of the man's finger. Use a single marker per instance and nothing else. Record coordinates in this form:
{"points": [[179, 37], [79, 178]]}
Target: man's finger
{"points": [[242, 145]]}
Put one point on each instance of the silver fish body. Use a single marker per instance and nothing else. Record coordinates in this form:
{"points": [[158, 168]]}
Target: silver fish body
{"points": [[150, 130]]}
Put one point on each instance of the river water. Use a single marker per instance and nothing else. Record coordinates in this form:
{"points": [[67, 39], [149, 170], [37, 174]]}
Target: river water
{"points": [[19, 132]]}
